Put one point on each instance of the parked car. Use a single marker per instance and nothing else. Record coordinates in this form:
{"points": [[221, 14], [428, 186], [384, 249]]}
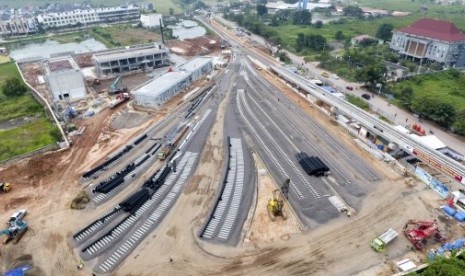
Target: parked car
{"points": [[366, 96], [349, 88], [324, 74], [336, 77]]}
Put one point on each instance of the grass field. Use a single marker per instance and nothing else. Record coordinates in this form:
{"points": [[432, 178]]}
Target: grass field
{"points": [[27, 137], [161, 6], [406, 5], [124, 35], [441, 86], [357, 101]]}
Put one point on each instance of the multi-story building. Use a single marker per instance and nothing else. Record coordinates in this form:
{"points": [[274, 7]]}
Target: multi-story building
{"points": [[130, 59], [91, 16], [431, 40], [151, 20], [18, 26], [64, 79]]}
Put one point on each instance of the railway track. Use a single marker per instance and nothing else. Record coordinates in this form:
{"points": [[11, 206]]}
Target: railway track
{"points": [[224, 216]]}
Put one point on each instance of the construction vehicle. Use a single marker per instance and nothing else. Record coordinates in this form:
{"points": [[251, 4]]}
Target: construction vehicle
{"points": [[5, 187], [120, 98], [166, 150], [115, 87], [15, 231], [275, 206], [380, 243], [418, 232]]}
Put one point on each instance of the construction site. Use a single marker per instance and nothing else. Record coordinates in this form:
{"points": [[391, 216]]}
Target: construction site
{"points": [[199, 161]]}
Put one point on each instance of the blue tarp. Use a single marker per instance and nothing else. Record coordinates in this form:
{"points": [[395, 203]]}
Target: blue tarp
{"points": [[19, 271]]}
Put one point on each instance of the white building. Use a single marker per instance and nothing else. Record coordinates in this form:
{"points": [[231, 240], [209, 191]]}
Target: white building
{"points": [[18, 26], [131, 59], [151, 20], [91, 16], [64, 79], [159, 90]]}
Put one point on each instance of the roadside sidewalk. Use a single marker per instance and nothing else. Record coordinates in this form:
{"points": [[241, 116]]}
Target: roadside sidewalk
{"points": [[380, 105]]}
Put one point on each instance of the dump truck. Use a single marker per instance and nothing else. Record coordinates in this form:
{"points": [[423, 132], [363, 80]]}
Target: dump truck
{"points": [[379, 244]]}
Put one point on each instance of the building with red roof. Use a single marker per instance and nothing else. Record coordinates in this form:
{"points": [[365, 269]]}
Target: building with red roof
{"points": [[431, 40]]}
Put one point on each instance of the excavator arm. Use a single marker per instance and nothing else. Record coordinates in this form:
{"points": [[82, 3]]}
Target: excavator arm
{"points": [[5, 232]]}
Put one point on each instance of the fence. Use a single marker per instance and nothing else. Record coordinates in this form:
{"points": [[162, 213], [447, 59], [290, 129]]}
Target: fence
{"points": [[29, 154]]}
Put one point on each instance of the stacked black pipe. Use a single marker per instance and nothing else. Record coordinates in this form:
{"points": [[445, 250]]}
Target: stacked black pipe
{"points": [[155, 184], [140, 139], [312, 165], [107, 163], [132, 203], [151, 148], [192, 108], [117, 179]]}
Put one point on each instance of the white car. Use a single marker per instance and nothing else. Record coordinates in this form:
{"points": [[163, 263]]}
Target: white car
{"points": [[335, 76]]}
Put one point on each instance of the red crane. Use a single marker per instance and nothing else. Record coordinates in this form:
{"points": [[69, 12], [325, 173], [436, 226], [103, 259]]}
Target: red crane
{"points": [[418, 232]]}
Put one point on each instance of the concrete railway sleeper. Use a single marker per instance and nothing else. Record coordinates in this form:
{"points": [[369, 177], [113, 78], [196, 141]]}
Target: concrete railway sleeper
{"points": [[96, 225]]}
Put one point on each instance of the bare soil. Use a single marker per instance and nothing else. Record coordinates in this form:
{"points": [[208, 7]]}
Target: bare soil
{"points": [[45, 185], [196, 46]]}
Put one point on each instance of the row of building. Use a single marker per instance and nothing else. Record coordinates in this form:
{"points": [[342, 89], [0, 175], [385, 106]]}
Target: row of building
{"points": [[18, 25], [67, 83]]}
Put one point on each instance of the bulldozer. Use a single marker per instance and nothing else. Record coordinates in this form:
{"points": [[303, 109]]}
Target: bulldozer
{"points": [[275, 206], [5, 187]]}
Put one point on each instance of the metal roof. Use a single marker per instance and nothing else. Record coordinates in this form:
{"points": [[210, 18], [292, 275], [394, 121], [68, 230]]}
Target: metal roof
{"points": [[157, 86], [127, 53], [195, 63]]}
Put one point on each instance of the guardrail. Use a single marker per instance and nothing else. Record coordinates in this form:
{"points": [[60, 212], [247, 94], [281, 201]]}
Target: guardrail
{"points": [[378, 126]]}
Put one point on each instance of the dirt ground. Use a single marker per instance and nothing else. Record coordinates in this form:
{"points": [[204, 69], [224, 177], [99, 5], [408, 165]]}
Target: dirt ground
{"points": [[46, 184], [195, 46]]}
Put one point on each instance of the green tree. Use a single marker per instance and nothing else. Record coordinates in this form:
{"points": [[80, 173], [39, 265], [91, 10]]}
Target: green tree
{"points": [[368, 42], [261, 10], [318, 24], [302, 17], [55, 133], [300, 42], [385, 32], [14, 87], [371, 74], [339, 35], [459, 124], [444, 267], [354, 11]]}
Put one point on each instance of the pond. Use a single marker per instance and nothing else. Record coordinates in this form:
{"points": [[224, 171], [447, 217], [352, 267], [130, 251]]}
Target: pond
{"points": [[49, 47], [187, 29]]}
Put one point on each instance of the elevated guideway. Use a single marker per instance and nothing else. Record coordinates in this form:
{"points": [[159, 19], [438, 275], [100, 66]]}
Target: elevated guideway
{"points": [[377, 126]]}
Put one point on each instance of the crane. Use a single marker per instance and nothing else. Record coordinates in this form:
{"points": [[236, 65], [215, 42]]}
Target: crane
{"points": [[418, 232], [15, 231], [115, 86]]}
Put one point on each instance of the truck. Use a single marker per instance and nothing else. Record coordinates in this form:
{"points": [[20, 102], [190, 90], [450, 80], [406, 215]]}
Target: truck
{"points": [[165, 151], [380, 243], [120, 98]]}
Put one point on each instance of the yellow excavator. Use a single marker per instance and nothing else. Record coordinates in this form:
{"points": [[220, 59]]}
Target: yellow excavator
{"points": [[275, 206], [5, 187]]}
